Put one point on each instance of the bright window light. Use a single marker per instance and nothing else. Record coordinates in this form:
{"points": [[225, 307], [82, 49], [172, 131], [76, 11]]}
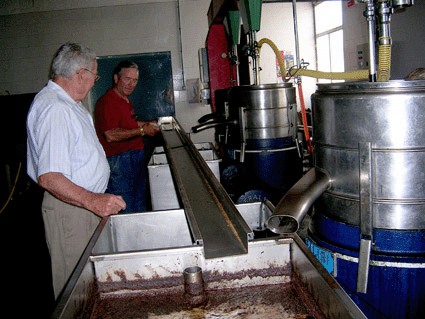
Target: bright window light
{"points": [[329, 37]]}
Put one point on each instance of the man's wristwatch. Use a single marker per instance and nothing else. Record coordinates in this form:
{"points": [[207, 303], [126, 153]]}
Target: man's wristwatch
{"points": [[142, 131]]}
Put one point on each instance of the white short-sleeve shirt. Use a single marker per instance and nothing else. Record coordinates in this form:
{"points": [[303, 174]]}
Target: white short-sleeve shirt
{"points": [[62, 139]]}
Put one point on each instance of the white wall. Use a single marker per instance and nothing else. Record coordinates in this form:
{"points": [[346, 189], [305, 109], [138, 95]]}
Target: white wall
{"points": [[30, 39], [355, 33], [31, 32]]}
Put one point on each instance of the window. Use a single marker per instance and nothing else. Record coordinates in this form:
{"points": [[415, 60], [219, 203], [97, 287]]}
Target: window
{"points": [[329, 37]]}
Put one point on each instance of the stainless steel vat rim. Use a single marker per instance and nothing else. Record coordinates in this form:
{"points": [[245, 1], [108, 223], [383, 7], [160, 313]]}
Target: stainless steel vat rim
{"points": [[374, 149], [268, 150], [359, 87], [394, 215], [401, 201], [262, 87]]}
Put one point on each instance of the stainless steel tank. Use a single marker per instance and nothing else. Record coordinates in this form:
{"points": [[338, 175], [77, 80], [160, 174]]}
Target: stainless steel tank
{"points": [[265, 111], [370, 221], [367, 186], [264, 140], [384, 119]]}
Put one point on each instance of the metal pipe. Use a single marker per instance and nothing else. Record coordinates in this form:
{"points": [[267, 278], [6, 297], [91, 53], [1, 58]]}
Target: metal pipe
{"points": [[294, 205], [370, 17], [297, 44], [193, 281], [194, 288], [384, 41], [181, 44], [254, 55], [242, 124], [235, 59]]}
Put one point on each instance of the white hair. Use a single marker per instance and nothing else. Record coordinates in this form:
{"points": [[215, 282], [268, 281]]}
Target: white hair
{"points": [[70, 58]]}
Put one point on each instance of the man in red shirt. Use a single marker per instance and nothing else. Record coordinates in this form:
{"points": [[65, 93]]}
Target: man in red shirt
{"points": [[121, 136]]}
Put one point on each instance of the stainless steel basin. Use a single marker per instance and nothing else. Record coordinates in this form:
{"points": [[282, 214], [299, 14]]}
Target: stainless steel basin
{"points": [[132, 258]]}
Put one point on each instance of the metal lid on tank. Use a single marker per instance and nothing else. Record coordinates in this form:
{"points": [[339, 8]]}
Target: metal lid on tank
{"points": [[364, 86]]}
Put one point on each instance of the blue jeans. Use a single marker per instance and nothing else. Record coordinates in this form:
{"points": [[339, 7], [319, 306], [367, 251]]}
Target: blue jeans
{"points": [[128, 179]]}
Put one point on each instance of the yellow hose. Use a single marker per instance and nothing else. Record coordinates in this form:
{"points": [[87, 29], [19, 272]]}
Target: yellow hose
{"points": [[384, 65], [276, 52], [384, 56], [349, 75]]}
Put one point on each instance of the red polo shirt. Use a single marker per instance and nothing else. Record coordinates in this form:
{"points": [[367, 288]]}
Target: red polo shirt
{"points": [[112, 112]]}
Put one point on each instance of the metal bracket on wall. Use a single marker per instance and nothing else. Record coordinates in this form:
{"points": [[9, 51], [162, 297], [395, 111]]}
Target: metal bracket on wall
{"points": [[213, 218]]}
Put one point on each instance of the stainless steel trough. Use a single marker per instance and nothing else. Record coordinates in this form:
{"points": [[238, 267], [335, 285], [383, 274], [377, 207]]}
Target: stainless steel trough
{"points": [[133, 268]]}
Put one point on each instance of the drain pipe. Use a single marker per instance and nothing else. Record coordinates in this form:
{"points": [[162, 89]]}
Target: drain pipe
{"points": [[295, 204], [181, 45], [297, 43]]}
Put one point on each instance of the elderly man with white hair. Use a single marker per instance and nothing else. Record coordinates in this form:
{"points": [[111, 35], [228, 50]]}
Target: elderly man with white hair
{"points": [[64, 157]]}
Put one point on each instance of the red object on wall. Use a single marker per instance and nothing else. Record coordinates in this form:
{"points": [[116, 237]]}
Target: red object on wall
{"points": [[219, 66]]}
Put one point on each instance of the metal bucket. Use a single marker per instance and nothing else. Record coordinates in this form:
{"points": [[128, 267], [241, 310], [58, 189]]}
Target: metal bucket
{"points": [[369, 138]]}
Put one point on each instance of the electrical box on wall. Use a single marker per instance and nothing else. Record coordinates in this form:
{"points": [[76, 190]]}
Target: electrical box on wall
{"points": [[363, 56], [193, 88]]}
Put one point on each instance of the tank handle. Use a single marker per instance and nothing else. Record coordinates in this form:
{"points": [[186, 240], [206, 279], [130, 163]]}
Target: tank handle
{"points": [[366, 215]]}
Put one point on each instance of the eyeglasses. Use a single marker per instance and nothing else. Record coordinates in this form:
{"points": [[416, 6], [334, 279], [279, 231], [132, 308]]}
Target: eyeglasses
{"points": [[96, 76]]}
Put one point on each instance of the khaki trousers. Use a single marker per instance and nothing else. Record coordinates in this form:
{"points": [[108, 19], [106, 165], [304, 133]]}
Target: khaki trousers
{"points": [[68, 231]]}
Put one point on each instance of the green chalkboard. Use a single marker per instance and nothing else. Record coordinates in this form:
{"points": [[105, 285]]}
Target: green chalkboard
{"points": [[153, 96]]}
